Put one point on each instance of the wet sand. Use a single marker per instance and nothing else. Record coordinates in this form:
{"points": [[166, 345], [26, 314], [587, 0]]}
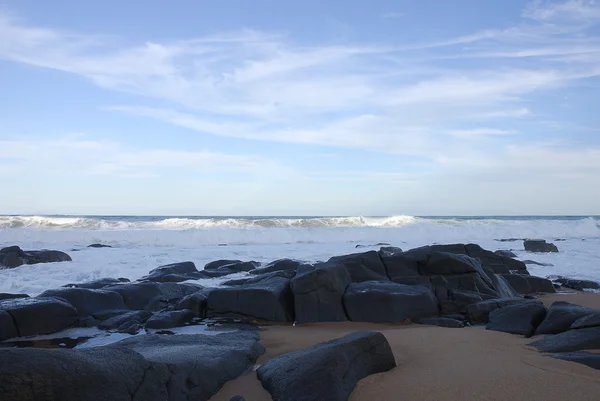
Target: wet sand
{"points": [[438, 364]]}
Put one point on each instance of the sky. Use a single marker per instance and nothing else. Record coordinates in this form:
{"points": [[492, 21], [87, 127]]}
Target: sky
{"points": [[264, 107]]}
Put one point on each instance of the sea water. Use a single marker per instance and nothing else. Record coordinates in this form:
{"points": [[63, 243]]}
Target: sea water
{"points": [[141, 243]]}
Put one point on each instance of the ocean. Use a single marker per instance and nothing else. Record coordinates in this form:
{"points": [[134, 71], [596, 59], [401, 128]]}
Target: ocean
{"points": [[141, 243]]}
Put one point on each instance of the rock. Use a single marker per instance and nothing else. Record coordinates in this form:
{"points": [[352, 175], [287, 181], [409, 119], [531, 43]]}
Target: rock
{"points": [[524, 284], [327, 371], [560, 317], [479, 313], [586, 358], [199, 365], [459, 301], [152, 296], [521, 318], [442, 263], [99, 373], [509, 239], [33, 316], [221, 262], [174, 273], [592, 320], [413, 280], [287, 274], [98, 284], [237, 398], [287, 265], [13, 256], [472, 282], [270, 300], [578, 285], [533, 262], [364, 266], [389, 251], [233, 265], [401, 264], [8, 329], [115, 322], [494, 263], [169, 319], [197, 303], [4, 296], [505, 253], [88, 302], [539, 245], [572, 340], [99, 246], [387, 302], [440, 321], [318, 292]]}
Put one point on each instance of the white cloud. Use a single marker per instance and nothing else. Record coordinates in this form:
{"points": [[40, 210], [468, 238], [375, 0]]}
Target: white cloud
{"points": [[478, 132], [564, 11]]}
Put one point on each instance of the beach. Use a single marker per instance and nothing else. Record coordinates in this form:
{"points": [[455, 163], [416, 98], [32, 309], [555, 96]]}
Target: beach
{"points": [[436, 363]]}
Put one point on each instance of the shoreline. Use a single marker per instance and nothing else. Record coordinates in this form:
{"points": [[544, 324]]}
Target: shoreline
{"points": [[436, 363]]}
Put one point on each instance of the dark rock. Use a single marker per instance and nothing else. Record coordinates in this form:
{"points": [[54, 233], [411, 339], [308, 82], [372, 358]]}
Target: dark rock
{"points": [[318, 292], [100, 373], [99, 246], [459, 301], [539, 245], [270, 300], [199, 365], [4, 296], [327, 371], [233, 265], [287, 274], [505, 253], [287, 265], [88, 302], [33, 316], [387, 302], [510, 239], [237, 398], [561, 315], [173, 273], [494, 263], [585, 358], [533, 262], [524, 284], [115, 322], [466, 282], [413, 280], [479, 313], [401, 264], [364, 266], [197, 303], [389, 251], [98, 284], [168, 319], [221, 262], [572, 340], [592, 320], [578, 285], [8, 328], [521, 318], [153, 296], [13, 256], [440, 321], [13, 249], [442, 263]]}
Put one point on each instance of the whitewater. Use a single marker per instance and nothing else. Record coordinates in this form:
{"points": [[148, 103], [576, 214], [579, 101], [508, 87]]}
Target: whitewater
{"points": [[141, 243]]}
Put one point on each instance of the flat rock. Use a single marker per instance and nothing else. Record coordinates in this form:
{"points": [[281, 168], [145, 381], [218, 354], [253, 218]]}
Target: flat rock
{"points": [[197, 303], [117, 321], [388, 302], [282, 265], [592, 320], [521, 318], [39, 315], [232, 265], [258, 278], [533, 262], [526, 284], [152, 296], [99, 246], [585, 358], [441, 322], [327, 371], [98, 284], [539, 245], [88, 302], [169, 319], [561, 315], [363, 266], [568, 341], [4, 296], [578, 285], [478, 313]]}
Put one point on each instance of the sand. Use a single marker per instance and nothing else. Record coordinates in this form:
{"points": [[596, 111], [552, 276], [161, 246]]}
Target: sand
{"points": [[438, 364]]}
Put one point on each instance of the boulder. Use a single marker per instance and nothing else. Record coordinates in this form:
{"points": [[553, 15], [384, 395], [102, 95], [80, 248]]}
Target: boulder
{"points": [[287, 274], [579, 285], [318, 292], [4, 296], [199, 365], [568, 341], [269, 299], [440, 321], [169, 319], [533, 262], [88, 302], [592, 320], [494, 263], [389, 251], [40, 315], [414, 280], [118, 321], [327, 371], [521, 318], [399, 265], [364, 266], [98, 284], [99, 246], [13, 256], [197, 303], [221, 262], [479, 313], [388, 302], [282, 265], [524, 284], [585, 358], [99, 373], [232, 265], [457, 301], [174, 273], [539, 245], [8, 329], [561, 315], [442, 263], [153, 296], [505, 253]]}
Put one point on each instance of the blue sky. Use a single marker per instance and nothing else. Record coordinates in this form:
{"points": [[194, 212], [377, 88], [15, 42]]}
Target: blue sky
{"points": [[300, 108]]}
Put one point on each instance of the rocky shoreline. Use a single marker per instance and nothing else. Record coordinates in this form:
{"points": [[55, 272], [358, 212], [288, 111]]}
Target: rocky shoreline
{"points": [[453, 285]]}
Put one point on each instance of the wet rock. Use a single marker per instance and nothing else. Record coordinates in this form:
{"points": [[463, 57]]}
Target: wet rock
{"points": [[561, 315], [8, 328], [4, 296], [269, 299], [389, 251], [327, 371], [585, 358], [505, 253], [13, 256], [401, 264], [479, 313], [413, 280], [197, 303], [115, 322], [442, 263], [318, 292], [441, 322], [169, 319], [525, 284], [520, 318], [284, 265], [99, 246], [458, 301], [592, 320], [539, 245], [364, 266], [33, 316], [88, 302], [287, 274], [568, 341], [237, 398], [153, 296], [533, 262], [387, 302], [98, 284], [174, 273], [578, 285], [233, 265]]}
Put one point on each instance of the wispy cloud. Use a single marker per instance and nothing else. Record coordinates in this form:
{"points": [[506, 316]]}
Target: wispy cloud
{"points": [[393, 14], [564, 11]]}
